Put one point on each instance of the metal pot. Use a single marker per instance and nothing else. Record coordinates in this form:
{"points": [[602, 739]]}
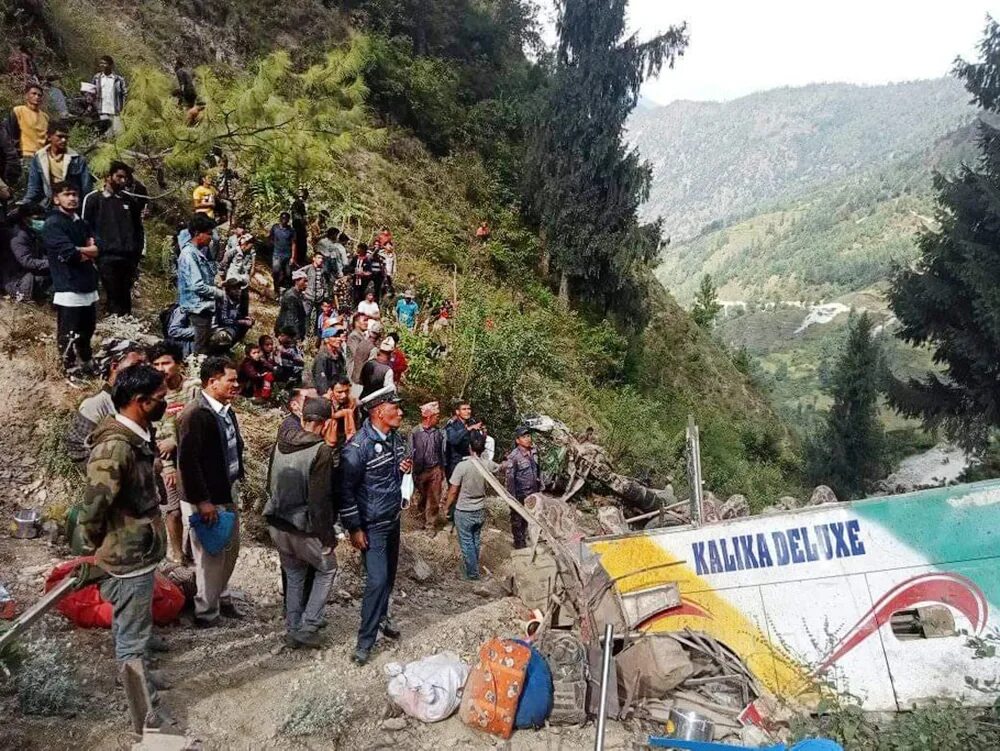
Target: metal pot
{"points": [[26, 521], [688, 725]]}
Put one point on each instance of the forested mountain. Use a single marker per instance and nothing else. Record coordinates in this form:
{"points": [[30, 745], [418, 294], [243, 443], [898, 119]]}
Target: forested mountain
{"points": [[717, 160], [841, 237]]}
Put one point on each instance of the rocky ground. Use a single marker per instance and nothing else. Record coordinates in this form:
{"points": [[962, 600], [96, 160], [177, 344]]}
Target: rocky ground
{"points": [[237, 686]]}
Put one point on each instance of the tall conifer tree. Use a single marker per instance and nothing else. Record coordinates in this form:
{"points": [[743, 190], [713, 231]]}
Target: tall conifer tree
{"points": [[583, 184], [848, 453], [950, 300], [706, 303]]}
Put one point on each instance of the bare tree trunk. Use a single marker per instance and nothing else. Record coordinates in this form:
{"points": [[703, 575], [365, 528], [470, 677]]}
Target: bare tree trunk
{"points": [[564, 289], [545, 264]]}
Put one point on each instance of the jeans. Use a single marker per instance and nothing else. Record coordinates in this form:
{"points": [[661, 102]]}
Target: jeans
{"points": [[81, 322], [380, 561], [132, 616], [300, 554], [469, 525], [117, 276]]}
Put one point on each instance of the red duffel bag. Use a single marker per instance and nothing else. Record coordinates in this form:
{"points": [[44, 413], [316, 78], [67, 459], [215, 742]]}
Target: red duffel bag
{"points": [[87, 609]]}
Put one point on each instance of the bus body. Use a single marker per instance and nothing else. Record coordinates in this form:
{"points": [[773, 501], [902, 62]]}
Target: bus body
{"points": [[808, 597]]}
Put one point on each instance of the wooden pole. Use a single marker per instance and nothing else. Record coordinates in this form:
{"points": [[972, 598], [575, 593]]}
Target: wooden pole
{"points": [[558, 546]]}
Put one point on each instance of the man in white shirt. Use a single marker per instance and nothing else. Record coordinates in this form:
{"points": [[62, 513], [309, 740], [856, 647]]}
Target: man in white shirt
{"points": [[111, 93], [369, 307]]}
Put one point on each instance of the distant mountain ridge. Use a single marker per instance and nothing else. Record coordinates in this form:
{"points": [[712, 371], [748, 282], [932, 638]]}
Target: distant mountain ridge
{"points": [[714, 161]]}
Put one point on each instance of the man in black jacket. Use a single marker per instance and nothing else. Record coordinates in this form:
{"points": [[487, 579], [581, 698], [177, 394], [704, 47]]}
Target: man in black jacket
{"points": [[300, 513], [111, 213], [372, 467], [376, 374], [210, 466], [292, 313], [330, 364], [10, 166], [25, 269], [72, 251]]}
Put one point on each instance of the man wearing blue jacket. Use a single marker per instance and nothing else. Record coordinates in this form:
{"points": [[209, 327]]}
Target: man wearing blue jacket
{"points": [[196, 290], [72, 252], [372, 467], [56, 163]]}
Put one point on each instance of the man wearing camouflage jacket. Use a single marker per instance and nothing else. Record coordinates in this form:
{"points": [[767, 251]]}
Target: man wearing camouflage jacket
{"points": [[121, 514]]}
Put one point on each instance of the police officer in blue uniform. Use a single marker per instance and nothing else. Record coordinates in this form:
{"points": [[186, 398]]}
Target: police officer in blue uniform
{"points": [[372, 466]]}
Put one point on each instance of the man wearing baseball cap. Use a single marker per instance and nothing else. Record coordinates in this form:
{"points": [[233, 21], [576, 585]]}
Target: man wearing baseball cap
{"points": [[524, 477], [330, 364], [372, 466], [426, 445], [377, 373]]}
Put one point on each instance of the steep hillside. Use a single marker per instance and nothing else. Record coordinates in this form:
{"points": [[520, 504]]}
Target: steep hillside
{"points": [[514, 349], [717, 160], [841, 237]]}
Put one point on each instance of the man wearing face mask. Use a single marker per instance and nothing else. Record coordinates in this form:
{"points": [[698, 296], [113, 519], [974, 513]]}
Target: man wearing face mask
{"points": [[25, 270], [109, 213], [120, 517], [196, 290]]}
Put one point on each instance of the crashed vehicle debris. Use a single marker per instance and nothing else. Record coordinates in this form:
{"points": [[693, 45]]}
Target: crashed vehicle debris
{"points": [[744, 620]]}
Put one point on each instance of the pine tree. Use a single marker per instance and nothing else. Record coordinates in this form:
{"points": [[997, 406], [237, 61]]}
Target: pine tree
{"points": [[848, 452], [583, 185], [950, 299], [706, 303], [282, 127]]}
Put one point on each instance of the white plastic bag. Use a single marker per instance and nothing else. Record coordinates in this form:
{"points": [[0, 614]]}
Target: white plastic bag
{"points": [[406, 489], [429, 689]]}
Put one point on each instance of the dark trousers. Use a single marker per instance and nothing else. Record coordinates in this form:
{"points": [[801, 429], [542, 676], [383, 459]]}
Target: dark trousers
{"points": [[74, 330], [281, 273], [519, 528], [380, 561], [378, 282], [117, 277], [202, 325], [359, 292]]}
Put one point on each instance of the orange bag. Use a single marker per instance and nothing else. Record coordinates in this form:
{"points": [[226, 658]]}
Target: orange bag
{"points": [[489, 700]]}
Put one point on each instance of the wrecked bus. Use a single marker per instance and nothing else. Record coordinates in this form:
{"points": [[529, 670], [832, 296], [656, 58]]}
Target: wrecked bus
{"points": [[876, 598]]}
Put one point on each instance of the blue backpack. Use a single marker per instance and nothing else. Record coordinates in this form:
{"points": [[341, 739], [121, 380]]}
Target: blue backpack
{"points": [[535, 704]]}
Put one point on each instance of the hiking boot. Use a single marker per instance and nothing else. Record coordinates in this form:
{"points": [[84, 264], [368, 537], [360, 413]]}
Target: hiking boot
{"points": [[361, 656], [157, 643], [229, 610], [388, 630], [206, 623], [299, 639]]}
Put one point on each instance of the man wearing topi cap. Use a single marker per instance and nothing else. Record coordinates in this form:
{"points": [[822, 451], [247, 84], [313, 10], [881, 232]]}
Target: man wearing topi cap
{"points": [[372, 467], [293, 309], [426, 445], [377, 373]]}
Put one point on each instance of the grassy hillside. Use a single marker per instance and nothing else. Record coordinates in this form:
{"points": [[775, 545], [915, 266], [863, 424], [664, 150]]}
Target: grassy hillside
{"points": [[841, 238], [715, 161], [514, 348]]}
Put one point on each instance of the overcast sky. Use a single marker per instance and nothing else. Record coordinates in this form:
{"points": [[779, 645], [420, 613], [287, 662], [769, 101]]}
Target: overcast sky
{"points": [[741, 46]]}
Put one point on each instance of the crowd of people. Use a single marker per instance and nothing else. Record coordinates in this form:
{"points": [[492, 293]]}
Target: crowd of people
{"points": [[162, 447], [164, 457]]}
